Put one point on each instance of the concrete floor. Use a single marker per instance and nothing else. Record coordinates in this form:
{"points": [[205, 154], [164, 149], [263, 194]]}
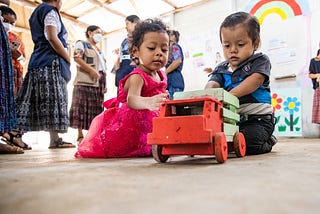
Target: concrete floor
{"points": [[287, 180]]}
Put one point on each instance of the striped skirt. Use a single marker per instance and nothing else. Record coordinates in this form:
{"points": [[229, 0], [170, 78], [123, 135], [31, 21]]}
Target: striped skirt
{"points": [[42, 101], [86, 104], [316, 106]]}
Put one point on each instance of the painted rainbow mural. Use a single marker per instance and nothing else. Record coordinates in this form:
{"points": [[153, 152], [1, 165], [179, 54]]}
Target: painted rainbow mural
{"points": [[284, 8]]}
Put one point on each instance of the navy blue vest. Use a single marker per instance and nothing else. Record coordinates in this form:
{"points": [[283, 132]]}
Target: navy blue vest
{"points": [[43, 54], [175, 78]]}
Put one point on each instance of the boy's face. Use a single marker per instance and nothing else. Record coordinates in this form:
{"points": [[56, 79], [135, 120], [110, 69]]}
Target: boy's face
{"points": [[237, 45]]}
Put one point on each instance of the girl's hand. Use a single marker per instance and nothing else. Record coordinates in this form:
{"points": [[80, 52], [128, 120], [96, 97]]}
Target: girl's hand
{"points": [[155, 102]]}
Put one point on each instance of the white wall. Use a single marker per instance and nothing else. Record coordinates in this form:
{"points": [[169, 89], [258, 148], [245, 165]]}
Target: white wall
{"points": [[301, 36], [197, 24], [199, 27]]}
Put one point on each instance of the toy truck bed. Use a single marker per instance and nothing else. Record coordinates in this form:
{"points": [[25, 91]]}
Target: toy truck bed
{"points": [[199, 122]]}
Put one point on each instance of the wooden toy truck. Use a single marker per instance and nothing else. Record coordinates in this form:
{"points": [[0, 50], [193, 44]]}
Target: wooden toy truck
{"points": [[202, 122]]}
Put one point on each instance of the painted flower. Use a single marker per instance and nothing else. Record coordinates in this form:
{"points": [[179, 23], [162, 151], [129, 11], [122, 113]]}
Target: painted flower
{"points": [[275, 102], [291, 105]]}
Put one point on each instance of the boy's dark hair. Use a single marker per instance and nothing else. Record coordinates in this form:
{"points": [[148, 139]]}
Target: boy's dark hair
{"points": [[176, 34], [7, 11], [250, 22], [146, 26], [133, 18], [90, 29]]}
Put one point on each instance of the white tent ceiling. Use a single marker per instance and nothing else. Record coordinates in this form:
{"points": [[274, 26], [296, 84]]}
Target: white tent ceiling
{"points": [[108, 14]]}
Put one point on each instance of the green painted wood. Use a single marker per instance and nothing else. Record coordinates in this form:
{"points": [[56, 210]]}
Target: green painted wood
{"points": [[229, 138], [217, 93], [230, 129], [230, 115]]}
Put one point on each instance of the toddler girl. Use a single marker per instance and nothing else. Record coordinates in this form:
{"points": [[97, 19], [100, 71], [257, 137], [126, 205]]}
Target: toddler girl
{"points": [[121, 130]]}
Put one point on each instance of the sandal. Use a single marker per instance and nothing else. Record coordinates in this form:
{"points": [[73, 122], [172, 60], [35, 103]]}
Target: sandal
{"points": [[60, 144], [7, 149], [11, 141]]}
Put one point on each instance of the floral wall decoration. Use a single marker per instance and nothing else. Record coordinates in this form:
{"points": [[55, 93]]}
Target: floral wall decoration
{"points": [[286, 105]]}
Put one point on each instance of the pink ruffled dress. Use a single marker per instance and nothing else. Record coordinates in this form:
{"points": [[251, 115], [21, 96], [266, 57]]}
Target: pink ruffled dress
{"points": [[120, 131]]}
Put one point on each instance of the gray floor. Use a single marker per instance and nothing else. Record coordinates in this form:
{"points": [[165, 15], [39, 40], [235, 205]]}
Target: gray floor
{"points": [[286, 180]]}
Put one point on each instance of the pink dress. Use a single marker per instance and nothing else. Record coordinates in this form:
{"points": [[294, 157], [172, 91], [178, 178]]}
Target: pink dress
{"points": [[120, 131]]}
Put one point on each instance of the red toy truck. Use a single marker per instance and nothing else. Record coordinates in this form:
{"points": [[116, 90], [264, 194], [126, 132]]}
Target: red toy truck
{"points": [[199, 122]]}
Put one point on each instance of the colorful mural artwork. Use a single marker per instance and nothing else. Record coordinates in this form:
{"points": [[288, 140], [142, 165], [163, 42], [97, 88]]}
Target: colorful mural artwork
{"points": [[284, 8], [286, 104]]}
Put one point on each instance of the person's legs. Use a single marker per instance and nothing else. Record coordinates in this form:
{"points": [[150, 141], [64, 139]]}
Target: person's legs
{"points": [[80, 135], [258, 134], [14, 138], [316, 106], [57, 143], [8, 149]]}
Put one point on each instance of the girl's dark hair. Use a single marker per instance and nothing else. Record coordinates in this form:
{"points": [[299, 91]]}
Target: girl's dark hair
{"points": [[146, 26], [318, 53], [248, 21], [7, 11], [133, 18], [90, 29], [176, 34]]}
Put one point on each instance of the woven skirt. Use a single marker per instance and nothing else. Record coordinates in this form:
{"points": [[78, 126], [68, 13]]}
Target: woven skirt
{"points": [[86, 104], [7, 104], [316, 106], [42, 101]]}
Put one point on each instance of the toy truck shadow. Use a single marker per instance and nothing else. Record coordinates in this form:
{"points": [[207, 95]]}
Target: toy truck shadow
{"points": [[202, 122]]}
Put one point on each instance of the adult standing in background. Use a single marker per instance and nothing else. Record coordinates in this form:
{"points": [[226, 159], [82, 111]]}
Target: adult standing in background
{"points": [[125, 65], [88, 91], [16, 45], [42, 101], [314, 74], [175, 65], [7, 104]]}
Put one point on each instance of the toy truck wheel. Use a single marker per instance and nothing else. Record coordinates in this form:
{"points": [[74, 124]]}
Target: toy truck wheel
{"points": [[157, 154], [220, 147], [239, 144]]}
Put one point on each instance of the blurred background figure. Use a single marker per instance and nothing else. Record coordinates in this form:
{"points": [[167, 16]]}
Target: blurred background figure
{"points": [[125, 65], [7, 104], [42, 101], [88, 90], [16, 45], [314, 74], [175, 65]]}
